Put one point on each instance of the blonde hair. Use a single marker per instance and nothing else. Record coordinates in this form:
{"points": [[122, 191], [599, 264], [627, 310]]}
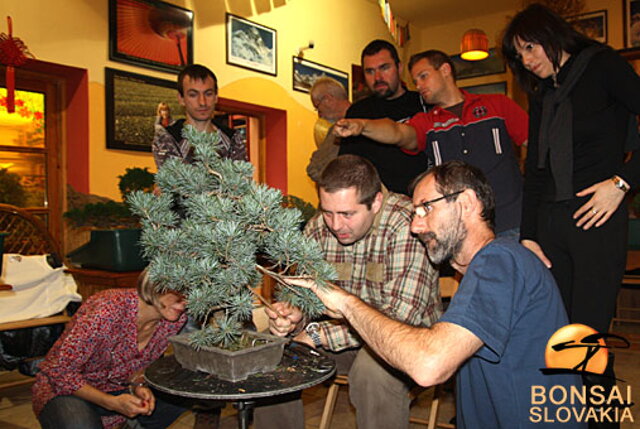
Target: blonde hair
{"points": [[163, 106], [146, 289]]}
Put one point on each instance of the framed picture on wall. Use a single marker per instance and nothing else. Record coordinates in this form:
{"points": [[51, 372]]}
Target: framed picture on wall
{"points": [[591, 24], [251, 45], [632, 23], [493, 64], [488, 88], [305, 73], [150, 33], [132, 108], [359, 88]]}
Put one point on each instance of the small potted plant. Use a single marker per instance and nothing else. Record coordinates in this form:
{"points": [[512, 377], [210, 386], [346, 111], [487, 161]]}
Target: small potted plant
{"points": [[115, 231], [204, 235]]}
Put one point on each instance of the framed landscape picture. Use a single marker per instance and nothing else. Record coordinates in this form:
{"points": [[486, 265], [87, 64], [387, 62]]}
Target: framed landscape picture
{"points": [[591, 24], [150, 33], [493, 64], [632, 23], [251, 45], [131, 108], [306, 72]]}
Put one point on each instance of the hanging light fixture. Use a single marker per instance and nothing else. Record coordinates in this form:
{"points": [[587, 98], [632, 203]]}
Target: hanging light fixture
{"points": [[474, 45]]}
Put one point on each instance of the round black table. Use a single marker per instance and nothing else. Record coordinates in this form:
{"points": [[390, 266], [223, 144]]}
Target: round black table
{"points": [[301, 367]]}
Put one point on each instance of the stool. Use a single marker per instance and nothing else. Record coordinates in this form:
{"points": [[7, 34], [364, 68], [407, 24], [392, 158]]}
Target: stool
{"points": [[630, 281], [343, 380]]}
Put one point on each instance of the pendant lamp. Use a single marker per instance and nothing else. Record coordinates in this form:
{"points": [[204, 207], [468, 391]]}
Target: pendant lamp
{"points": [[474, 45]]}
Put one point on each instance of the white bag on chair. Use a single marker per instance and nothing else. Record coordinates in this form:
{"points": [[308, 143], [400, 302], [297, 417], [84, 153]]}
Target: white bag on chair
{"points": [[38, 289]]}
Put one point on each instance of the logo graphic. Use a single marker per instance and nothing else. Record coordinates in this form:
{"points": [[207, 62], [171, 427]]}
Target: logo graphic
{"points": [[480, 111], [577, 348], [580, 350]]}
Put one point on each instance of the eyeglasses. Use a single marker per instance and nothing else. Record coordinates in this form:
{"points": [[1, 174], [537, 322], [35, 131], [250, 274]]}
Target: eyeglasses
{"points": [[317, 105], [426, 207]]}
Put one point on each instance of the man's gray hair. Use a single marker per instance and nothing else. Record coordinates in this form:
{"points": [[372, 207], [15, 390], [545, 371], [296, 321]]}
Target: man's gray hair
{"points": [[328, 85]]}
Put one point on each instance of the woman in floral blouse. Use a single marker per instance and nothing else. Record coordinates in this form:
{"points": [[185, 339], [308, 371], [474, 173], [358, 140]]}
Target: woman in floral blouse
{"points": [[91, 377]]}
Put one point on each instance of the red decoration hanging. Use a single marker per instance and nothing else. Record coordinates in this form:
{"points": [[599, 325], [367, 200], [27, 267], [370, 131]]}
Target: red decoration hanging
{"points": [[13, 53]]}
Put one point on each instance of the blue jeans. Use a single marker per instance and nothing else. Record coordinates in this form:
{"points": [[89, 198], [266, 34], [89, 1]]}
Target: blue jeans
{"points": [[71, 412]]}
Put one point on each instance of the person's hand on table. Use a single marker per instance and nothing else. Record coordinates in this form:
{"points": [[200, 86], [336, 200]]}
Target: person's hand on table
{"points": [[605, 200], [284, 320]]}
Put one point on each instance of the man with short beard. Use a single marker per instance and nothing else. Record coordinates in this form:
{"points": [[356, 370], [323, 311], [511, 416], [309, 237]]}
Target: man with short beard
{"points": [[382, 67], [495, 330]]}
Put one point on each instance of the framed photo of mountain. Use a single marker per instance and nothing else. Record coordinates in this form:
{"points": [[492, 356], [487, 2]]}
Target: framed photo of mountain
{"points": [[251, 45]]}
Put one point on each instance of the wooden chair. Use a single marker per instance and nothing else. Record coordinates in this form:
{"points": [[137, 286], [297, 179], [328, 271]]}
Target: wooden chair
{"points": [[28, 236], [448, 288]]}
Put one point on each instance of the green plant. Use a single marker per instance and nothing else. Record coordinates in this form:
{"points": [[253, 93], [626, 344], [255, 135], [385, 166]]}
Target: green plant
{"points": [[11, 190], [111, 214], [211, 254], [103, 216], [135, 179]]}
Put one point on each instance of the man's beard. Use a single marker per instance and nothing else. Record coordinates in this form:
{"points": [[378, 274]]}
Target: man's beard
{"points": [[440, 249], [387, 93]]}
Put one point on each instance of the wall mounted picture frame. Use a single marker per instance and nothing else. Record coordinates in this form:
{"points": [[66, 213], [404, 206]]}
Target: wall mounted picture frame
{"points": [[631, 23], [251, 45], [487, 88], [306, 72], [493, 64], [359, 88], [131, 106], [591, 24], [151, 34]]}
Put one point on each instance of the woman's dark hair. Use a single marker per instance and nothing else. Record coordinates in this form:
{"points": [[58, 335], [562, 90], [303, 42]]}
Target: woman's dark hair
{"points": [[538, 24]]}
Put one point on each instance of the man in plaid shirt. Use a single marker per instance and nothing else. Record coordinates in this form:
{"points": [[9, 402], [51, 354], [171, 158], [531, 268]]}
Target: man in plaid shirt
{"points": [[364, 232]]}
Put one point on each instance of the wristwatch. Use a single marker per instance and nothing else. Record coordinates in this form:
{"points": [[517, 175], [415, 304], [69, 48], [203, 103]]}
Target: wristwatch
{"points": [[620, 184], [313, 330]]}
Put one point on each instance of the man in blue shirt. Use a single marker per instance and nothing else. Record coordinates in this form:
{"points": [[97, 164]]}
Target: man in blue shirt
{"points": [[496, 328]]}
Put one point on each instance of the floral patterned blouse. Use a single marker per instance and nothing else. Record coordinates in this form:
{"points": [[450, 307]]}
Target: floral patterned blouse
{"points": [[99, 348]]}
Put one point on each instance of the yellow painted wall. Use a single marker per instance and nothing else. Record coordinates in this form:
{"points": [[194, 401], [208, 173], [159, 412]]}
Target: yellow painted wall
{"points": [[446, 37], [75, 33]]}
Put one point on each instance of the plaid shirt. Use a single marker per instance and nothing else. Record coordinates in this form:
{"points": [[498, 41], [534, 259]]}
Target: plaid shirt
{"points": [[388, 269]]}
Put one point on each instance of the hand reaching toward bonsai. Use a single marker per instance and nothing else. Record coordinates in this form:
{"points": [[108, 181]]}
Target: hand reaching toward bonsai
{"points": [[333, 298]]}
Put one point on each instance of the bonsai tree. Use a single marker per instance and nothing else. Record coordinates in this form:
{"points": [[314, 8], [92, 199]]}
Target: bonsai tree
{"points": [[205, 232]]}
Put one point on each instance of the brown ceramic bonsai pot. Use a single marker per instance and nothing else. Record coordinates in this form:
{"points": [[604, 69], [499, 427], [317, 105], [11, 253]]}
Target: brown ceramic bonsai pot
{"points": [[230, 365]]}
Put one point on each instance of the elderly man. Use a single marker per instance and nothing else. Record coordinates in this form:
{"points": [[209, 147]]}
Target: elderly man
{"points": [[363, 231], [381, 66], [477, 129], [496, 328], [331, 101], [198, 93]]}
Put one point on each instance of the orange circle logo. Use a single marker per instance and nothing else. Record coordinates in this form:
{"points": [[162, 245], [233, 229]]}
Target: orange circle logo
{"points": [[571, 347]]}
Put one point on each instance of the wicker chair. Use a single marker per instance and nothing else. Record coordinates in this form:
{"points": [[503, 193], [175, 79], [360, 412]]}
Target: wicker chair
{"points": [[28, 236]]}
